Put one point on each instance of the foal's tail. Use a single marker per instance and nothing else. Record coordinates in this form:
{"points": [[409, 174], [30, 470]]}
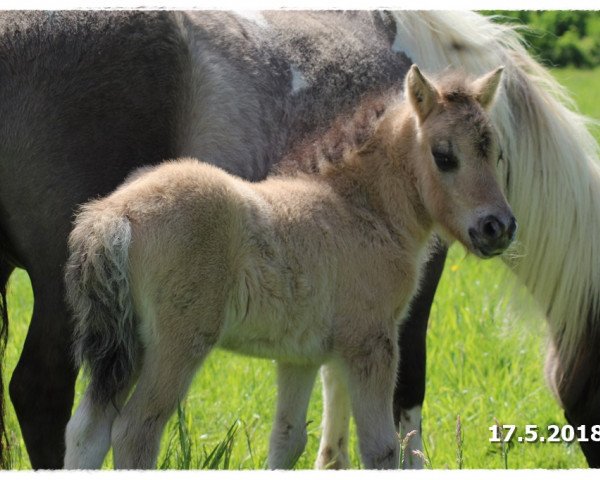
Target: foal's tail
{"points": [[98, 290]]}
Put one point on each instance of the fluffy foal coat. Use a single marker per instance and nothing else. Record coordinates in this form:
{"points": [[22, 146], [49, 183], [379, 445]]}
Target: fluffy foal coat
{"points": [[317, 268]]}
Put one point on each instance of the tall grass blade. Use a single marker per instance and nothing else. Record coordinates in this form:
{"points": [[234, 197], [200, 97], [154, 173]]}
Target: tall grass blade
{"points": [[459, 444], [220, 457], [185, 441]]}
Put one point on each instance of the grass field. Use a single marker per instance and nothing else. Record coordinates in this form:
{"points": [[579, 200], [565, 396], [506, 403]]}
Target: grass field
{"points": [[485, 363]]}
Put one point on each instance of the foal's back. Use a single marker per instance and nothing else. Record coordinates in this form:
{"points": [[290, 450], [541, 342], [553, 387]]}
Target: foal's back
{"points": [[263, 268]]}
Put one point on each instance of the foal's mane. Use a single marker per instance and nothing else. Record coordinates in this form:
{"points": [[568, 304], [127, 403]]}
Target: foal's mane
{"points": [[347, 133], [350, 130]]}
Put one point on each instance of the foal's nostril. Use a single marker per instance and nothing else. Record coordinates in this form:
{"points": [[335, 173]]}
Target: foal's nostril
{"points": [[492, 228], [492, 235], [512, 227]]}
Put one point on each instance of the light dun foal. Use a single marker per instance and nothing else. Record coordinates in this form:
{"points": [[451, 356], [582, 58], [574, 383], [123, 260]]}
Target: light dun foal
{"points": [[309, 270]]}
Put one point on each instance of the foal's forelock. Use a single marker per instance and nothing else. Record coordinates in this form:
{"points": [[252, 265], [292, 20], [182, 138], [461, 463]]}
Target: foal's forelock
{"points": [[462, 118], [472, 122]]}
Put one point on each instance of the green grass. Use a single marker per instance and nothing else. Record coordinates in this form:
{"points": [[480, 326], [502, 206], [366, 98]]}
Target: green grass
{"points": [[583, 85], [485, 364]]}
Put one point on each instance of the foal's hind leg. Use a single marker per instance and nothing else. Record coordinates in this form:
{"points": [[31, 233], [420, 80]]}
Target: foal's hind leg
{"points": [[288, 437], [165, 376], [333, 450], [88, 431]]}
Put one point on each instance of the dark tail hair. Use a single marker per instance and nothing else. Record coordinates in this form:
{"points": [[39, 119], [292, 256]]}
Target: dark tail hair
{"points": [[97, 284]]}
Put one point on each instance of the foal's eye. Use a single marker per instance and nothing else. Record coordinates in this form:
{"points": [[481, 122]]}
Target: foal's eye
{"points": [[446, 162]]}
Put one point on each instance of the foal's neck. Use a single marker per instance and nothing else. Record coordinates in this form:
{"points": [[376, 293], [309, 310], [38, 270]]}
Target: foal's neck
{"points": [[381, 175]]}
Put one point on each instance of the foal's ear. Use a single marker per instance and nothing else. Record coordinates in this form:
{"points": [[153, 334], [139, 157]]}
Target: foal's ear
{"points": [[485, 87], [421, 93]]}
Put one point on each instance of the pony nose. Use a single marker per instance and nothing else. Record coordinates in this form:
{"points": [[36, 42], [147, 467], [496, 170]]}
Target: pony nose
{"points": [[492, 235], [492, 228]]}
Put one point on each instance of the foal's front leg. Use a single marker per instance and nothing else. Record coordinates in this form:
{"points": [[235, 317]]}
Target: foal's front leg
{"points": [[371, 374], [288, 437]]}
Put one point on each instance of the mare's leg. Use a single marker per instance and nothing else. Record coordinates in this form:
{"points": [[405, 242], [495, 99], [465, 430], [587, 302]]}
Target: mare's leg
{"points": [[88, 432], [165, 375], [42, 385], [371, 369], [333, 450], [577, 386], [5, 271], [288, 437], [410, 385]]}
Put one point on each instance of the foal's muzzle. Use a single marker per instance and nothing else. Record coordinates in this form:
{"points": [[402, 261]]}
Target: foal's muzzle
{"points": [[493, 235]]}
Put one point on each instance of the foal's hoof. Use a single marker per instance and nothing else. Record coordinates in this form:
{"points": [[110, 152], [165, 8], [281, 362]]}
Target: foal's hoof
{"points": [[330, 459]]}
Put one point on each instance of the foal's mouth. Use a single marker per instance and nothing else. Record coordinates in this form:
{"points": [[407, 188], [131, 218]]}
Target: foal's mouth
{"points": [[482, 252], [483, 249]]}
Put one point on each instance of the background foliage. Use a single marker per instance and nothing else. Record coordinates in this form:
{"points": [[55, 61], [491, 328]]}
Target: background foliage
{"points": [[559, 38]]}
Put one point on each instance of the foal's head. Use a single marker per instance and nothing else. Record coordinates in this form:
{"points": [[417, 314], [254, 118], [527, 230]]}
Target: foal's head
{"points": [[459, 152]]}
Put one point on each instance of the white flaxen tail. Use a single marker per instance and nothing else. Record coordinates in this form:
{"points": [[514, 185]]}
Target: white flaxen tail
{"points": [[97, 285], [552, 173]]}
